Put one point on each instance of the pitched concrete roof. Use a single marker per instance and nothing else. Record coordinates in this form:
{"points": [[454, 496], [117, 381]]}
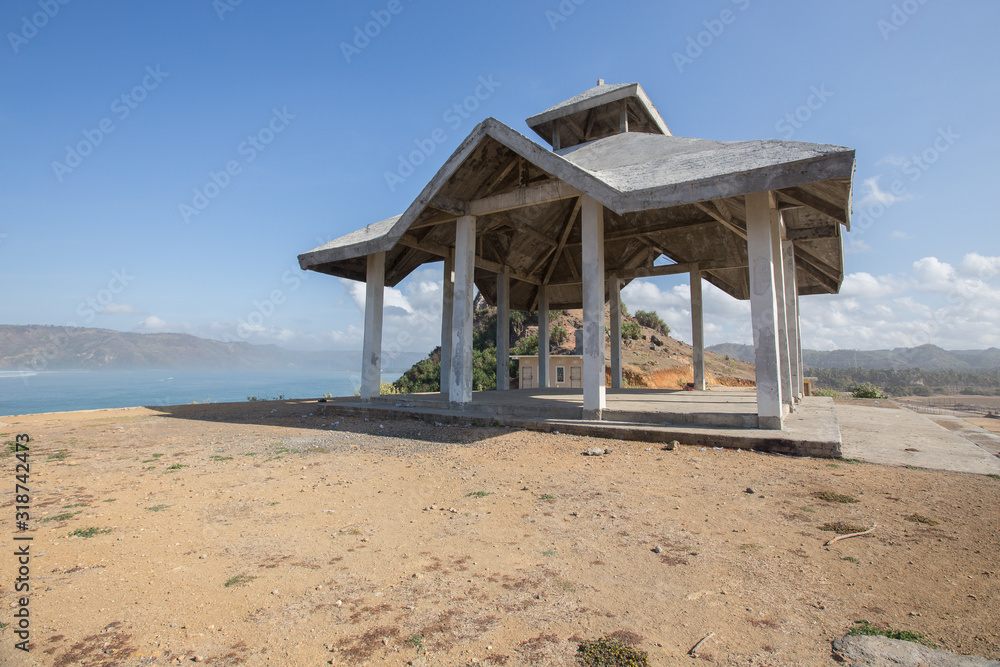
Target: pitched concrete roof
{"points": [[660, 187], [647, 118]]}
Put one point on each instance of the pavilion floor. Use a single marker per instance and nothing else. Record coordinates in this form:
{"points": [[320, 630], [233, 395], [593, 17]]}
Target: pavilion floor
{"points": [[723, 416]]}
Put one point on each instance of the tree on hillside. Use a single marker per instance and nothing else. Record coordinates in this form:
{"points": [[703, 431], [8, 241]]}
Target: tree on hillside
{"points": [[650, 320]]}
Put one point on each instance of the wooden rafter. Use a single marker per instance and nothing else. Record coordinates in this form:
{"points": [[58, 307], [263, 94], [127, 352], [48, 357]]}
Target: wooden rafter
{"points": [[567, 228]]}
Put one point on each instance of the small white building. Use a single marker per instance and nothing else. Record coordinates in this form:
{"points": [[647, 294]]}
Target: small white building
{"points": [[566, 371]]}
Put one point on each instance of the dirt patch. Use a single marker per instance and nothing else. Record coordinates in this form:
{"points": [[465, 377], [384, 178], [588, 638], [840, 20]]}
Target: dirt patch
{"points": [[337, 561]]}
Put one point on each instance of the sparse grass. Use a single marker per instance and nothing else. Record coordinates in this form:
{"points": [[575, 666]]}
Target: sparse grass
{"points": [[217, 457], [832, 465], [841, 528], [850, 559], [157, 508], [806, 508], [58, 456], [156, 456], [69, 507], [250, 454], [832, 497], [89, 532], [477, 494], [110, 500], [851, 460], [750, 546], [993, 475], [550, 552], [10, 447], [239, 580], [417, 642], [176, 466], [609, 652], [546, 496], [273, 504], [565, 585], [60, 517], [920, 518], [864, 628]]}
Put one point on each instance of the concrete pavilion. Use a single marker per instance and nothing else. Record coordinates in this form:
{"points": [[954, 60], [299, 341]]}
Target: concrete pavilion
{"points": [[535, 228]]}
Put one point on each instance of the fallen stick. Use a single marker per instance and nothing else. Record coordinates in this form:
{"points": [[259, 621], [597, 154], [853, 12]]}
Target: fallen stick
{"points": [[694, 649], [844, 537]]}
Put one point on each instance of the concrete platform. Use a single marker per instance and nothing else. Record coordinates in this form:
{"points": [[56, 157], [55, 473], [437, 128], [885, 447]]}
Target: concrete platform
{"points": [[906, 438], [716, 418]]}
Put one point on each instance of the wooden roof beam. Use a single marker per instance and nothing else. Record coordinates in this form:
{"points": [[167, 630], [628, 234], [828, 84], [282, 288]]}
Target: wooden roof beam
{"points": [[806, 198]]}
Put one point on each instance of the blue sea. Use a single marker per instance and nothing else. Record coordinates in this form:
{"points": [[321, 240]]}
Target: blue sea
{"points": [[59, 391]]}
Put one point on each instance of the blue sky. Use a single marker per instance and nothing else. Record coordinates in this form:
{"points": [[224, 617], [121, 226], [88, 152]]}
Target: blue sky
{"points": [[163, 164]]}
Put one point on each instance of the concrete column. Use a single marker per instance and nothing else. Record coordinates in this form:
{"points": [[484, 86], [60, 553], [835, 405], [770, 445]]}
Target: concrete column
{"points": [[764, 310], [503, 331], [792, 315], [784, 348], [615, 291], [543, 337], [371, 356], [447, 308], [697, 332], [460, 381], [798, 333], [594, 400]]}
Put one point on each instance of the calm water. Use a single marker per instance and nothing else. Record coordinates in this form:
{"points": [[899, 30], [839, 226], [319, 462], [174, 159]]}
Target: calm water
{"points": [[57, 391]]}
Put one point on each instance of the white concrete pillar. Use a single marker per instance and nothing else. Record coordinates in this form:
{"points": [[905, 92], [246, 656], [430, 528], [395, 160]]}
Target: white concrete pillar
{"points": [[784, 348], [447, 312], [460, 381], [615, 292], [503, 331], [798, 333], [543, 337], [792, 315], [697, 332], [371, 356], [594, 400], [764, 310]]}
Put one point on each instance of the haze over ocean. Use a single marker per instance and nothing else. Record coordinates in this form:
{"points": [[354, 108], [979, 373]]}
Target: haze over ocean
{"points": [[58, 391]]}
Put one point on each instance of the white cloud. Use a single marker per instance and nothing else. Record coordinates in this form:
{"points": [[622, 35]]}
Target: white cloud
{"points": [[876, 195], [152, 324], [979, 266], [900, 236], [955, 307], [856, 246], [120, 309], [411, 314]]}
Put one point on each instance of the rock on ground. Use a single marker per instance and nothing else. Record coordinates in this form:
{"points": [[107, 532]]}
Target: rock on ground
{"points": [[885, 652]]}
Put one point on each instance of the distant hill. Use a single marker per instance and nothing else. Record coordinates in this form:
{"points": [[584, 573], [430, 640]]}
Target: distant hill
{"points": [[924, 357], [32, 347]]}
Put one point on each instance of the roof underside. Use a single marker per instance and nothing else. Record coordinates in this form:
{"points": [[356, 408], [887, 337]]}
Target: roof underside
{"points": [[667, 200]]}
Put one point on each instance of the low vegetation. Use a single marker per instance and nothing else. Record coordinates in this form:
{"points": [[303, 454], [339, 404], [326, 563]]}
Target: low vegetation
{"points": [[610, 652], [864, 628], [832, 497]]}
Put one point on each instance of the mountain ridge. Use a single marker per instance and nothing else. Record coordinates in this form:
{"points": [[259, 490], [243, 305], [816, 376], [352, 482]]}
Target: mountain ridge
{"points": [[925, 357], [46, 347]]}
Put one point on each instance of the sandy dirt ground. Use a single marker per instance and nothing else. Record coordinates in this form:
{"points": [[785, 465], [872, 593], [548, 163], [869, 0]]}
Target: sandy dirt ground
{"points": [[272, 534]]}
